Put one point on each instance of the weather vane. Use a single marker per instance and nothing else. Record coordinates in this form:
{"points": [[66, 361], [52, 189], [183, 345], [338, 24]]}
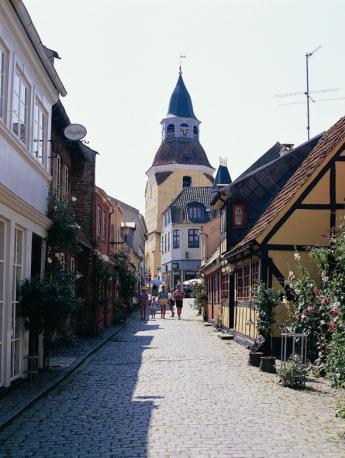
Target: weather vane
{"points": [[182, 56]]}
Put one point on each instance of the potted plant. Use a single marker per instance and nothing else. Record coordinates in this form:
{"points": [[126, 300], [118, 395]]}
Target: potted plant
{"points": [[293, 373], [255, 355], [267, 300]]}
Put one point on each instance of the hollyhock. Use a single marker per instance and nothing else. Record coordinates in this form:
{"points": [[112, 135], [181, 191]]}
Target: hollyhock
{"points": [[332, 327], [334, 313]]}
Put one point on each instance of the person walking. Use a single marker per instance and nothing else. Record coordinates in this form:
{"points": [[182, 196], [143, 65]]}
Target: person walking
{"points": [[171, 302], [143, 301], [153, 308], [178, 296], [163, 300]]}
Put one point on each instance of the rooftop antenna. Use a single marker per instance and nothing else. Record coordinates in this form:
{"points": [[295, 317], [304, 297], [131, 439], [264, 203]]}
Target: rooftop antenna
{"points": [[308, 92], [182, 56]]}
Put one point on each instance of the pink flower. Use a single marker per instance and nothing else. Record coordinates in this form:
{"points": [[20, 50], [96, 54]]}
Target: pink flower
{"points": [[309, 310], [325, 300], [316, 292], [334, 313], [332, 327]]}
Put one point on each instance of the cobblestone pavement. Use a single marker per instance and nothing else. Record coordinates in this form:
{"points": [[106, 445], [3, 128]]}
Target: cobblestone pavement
{"points": [[170, 388]]}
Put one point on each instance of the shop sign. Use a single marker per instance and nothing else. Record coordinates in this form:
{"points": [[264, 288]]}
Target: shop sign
{"points": [[175, 266]]}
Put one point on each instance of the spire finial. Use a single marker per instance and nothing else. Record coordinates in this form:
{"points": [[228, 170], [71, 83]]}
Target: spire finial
{"points": [[180, 67]]}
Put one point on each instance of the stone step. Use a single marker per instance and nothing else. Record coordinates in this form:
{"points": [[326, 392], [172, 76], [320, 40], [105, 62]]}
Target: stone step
{"points": [[225, 336]]}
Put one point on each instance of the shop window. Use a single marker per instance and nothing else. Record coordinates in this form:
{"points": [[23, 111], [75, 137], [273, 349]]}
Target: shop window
{"points": [[239, 216]]}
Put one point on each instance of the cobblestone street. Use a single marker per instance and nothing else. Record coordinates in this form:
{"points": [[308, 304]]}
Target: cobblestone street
{"points": [[173, 388]]}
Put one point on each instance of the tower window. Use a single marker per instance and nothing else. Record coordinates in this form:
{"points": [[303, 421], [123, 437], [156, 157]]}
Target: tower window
{"points": [[195, 132], [184, 130], [239, 216], [171, 131], [187, 182]]}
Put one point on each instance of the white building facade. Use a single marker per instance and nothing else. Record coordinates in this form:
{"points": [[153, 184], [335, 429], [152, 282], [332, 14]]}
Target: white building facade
{"points": [[29, 87]]}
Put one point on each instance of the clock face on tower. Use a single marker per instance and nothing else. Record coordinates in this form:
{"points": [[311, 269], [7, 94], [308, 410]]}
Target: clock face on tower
{"points": [[184, 131]]}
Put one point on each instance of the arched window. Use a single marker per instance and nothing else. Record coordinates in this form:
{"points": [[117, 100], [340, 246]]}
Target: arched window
{"points": [[186, 182], [171, 131], [195, 132], [184, 130]]}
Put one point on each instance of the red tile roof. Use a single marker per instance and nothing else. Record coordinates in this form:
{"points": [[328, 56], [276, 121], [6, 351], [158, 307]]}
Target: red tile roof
{"points": [[327, 143]]}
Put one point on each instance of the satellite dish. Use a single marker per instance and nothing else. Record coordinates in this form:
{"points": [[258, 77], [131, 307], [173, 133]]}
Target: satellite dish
{"points": [[75, 132]]}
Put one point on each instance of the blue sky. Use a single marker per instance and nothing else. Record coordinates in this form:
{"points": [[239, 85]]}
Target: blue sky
{"points": [[119, 63]]}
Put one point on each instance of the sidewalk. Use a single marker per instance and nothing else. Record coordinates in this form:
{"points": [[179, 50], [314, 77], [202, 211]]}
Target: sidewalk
{"points": [[64, 361]]}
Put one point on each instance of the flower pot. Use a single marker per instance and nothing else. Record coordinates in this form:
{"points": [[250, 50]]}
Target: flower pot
{"points": [[254, 358], [267, 364]]}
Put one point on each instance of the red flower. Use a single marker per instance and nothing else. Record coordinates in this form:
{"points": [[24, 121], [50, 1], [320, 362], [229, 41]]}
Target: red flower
{"points": [[325, 300], [334, 313], [316, 292], [332, 327]]}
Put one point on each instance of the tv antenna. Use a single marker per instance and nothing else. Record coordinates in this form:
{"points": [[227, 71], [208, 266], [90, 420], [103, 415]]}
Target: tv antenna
{"points": [[182, 56], [307, 92]]}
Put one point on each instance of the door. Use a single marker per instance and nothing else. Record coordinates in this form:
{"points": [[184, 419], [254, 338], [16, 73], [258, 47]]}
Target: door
{"points": [[2, 295], [15, 312], [232, 300]]}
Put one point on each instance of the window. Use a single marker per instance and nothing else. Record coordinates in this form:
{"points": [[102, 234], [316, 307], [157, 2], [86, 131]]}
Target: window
{"points": [[240, 283], [239, 218], [186, 182], [99, 222], [15, 310], [246, 282], [2, 84], [162, 244], [196, 212], [184, 130], [195, 132], [66, 182], [112, 233], [168, 241], [165, 243], [20, 108], [193, 238], [255, 277], [72, 264], [39, 137], [176, 238], [225, 285], [104, 227], [171, 131], [58, 177]]}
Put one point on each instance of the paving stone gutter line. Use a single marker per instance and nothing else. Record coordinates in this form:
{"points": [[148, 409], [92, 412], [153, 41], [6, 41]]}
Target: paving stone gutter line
{"points": [[7, 419]]}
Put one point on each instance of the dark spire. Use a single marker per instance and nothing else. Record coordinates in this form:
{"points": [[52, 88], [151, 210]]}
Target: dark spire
{"points": [[180, 101], [222, 177]]}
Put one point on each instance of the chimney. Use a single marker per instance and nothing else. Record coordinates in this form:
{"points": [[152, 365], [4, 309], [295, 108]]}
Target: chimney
{"points": [[285, 148]]}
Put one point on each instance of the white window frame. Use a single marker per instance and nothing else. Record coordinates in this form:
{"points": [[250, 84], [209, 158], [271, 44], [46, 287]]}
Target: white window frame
{"points": [[58, 175], [3, 81], [16, 334], [40, 127], [16, 109]]}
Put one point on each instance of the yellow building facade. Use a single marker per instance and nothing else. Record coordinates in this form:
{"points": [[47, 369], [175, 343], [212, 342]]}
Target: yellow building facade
{"points": [[179, 162]]}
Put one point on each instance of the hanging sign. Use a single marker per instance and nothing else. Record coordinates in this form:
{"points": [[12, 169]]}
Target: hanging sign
{"points": [[75, 132]]}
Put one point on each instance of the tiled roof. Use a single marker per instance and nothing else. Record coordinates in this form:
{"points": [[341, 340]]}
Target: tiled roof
{"points": [[179, 207], [269, 156], [181, 151], [180, 101], [327, 144]]}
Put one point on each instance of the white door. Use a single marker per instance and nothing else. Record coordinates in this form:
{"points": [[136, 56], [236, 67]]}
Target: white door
{"points": [[2, 295], [15, 312]]}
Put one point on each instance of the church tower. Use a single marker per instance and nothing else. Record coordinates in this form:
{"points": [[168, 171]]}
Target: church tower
{"points": [[179, 162]]}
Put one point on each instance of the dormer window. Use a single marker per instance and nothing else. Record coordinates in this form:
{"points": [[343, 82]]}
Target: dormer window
{"points": [[184, 130], [239, 216], [171, 131], [195, 132], [186, 182], [196, 212]]}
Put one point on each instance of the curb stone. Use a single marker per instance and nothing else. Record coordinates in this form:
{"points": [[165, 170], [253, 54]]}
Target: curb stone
{"points": [[6, 420]]}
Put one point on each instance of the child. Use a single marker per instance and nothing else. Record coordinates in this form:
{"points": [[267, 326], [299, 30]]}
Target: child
{"points": [[171, 302], [153, 308]]}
